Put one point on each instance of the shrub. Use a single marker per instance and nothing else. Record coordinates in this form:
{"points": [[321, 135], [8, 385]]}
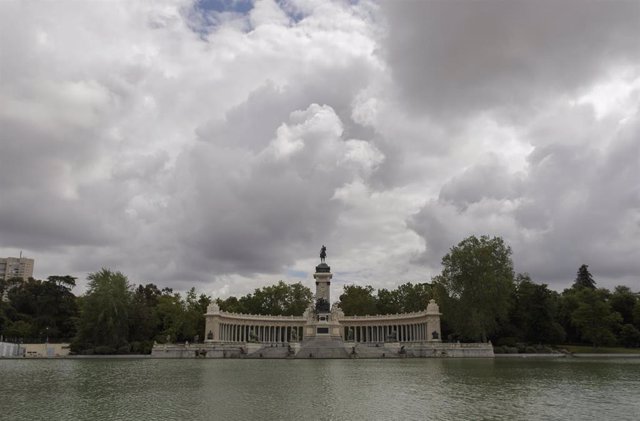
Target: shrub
{"points": [[124, 349], [630, 336], [141, 347], [104, 350], [507, 341]]}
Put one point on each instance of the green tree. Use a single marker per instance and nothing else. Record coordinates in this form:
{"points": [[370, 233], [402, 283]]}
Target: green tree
{"points": [[195, 307], [170, 310], [593, 317], [42, 309], [144, 322], [230, 304], [358, 301], [584, 278], [623, 301], [535, 311], [636, 315], [298, 298], [20, 329], [568, 302], [406, 298], [275, 300], [4, 320], [66, 281], [388, 302], [413, 297], [478, 279], [104, 316], [630, 336]]}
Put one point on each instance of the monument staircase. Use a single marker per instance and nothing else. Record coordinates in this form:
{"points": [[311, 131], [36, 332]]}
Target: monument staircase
{"points": [[322, 348]]}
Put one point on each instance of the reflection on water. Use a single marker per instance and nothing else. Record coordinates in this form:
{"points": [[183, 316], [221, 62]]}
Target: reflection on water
{"points": [[417, 389]]}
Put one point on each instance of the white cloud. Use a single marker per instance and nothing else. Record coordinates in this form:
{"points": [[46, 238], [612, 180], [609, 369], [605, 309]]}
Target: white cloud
{"points": [[187, 147]]}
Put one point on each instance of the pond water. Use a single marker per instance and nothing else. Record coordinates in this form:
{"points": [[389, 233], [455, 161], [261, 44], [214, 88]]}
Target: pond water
{"points": [[411, 389]]}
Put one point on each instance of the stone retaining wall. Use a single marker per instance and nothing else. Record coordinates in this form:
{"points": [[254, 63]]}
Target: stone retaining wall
{"points": [[8, 349], [325, 349]]}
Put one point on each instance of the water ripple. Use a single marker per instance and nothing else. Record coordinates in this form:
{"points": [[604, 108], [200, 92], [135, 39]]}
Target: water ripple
{"points": [[421, 389]]}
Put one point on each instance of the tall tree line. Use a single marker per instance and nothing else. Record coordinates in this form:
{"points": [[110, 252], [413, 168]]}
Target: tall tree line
{"points": [[113, 316], [479, 294], [481, 299]]}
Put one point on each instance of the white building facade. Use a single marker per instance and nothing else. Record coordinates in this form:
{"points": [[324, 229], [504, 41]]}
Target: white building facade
{"points": [[16, 267]]}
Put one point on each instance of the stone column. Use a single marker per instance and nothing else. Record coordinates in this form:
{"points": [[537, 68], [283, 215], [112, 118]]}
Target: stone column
{"points": [[433, 321]]}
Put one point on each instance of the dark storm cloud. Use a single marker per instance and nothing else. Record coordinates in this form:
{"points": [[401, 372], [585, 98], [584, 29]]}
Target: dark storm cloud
{"points": [[452, 58]]}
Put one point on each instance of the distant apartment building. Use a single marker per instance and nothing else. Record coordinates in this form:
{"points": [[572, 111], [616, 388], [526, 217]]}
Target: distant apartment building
{"points": [[16, 267]]}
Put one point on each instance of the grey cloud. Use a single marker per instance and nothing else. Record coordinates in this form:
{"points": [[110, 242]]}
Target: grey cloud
{"points": [[219, 158], [251, 123], [452, 58], [258, 211], [574, 206], [490, 180]]}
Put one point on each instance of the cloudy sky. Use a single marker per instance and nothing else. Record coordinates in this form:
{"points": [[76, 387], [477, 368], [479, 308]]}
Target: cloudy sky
{"points": [[220, 143]]}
